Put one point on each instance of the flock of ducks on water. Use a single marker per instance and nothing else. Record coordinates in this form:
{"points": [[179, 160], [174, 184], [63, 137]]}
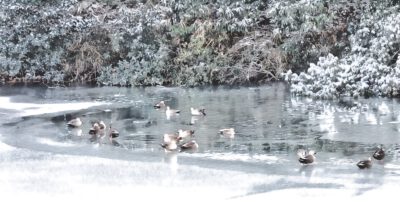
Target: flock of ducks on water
{"points": [[183, 139], [308, 157], [98, 129]]}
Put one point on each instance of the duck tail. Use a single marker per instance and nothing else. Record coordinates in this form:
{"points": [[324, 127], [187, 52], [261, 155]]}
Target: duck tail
{"points": [[303, 160]]}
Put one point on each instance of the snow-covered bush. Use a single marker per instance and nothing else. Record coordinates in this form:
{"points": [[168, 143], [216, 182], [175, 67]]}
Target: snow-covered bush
{"points": [[371, 68]]}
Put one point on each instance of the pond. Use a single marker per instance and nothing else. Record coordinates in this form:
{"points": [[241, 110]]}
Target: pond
{"points": [[41, 157]]}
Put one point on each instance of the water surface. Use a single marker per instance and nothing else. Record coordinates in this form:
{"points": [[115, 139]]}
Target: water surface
{"points": [[41, 157]]}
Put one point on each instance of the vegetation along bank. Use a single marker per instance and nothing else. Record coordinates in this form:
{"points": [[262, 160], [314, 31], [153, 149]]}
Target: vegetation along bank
{"points": [[323, 48]]}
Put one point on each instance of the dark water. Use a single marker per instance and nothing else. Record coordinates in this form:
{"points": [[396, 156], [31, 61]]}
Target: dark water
{"points": [[271, 125]]}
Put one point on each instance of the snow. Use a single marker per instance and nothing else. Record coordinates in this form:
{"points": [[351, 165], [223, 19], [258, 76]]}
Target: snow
{"points": [[29, 109], [372, 49]]}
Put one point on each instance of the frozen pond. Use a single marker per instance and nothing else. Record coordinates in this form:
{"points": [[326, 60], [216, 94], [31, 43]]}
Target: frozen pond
{"points": [[41, 158]]}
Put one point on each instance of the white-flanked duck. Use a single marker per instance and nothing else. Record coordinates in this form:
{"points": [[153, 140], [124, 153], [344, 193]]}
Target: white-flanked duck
{"points": [[76, 122], [379, 153], [365, 163], [160, 105], [170, 142], [306, 157], [182, 134], [227, 132], [170, 111], [197, 112], [192, 146]]}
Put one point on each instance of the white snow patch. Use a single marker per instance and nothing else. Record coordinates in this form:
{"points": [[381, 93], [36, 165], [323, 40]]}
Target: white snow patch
{"points": [[29, 109]]}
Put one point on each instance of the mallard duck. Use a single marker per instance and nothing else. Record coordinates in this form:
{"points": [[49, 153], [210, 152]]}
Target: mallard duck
{"points": [[227, 132], [379, 153], [365, 163], [170, 142], [182, 134], [306, 157], [76, 122], [197, 112], [192, 145], [159, 105]]}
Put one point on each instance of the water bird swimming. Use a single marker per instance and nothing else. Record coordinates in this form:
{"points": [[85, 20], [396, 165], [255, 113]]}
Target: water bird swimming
{"points": [[113, 133], [306, 157], [379, 153], [94, 129], [192, 145], [365, 163], [197, 112], [227, 132], [160, 105], [76, 122], [182, 134], [97, 128], [170, 142]]}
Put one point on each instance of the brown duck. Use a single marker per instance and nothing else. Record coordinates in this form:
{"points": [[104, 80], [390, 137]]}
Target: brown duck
{"points": [[306, 157], [379, 154], [365, 163], [192, 145]]}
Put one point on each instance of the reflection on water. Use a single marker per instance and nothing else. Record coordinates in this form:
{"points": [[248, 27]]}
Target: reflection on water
{"points": [[270, 125]]}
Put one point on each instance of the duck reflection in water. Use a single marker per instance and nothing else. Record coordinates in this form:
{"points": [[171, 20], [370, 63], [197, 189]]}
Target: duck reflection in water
{"points": [[76, 132], [171, 112]]}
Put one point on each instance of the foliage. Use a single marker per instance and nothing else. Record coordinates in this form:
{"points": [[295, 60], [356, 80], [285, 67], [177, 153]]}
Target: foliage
{"points": [[370, 68], [184, 42]]}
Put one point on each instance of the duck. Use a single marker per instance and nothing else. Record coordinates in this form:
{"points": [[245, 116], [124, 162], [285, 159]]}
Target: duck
{"points": [[227, 132], [365, 163], [197, 112], [97, 128], [102, 125], [306, 157], [192, 145], [94, 129], [76, 122], [182, 134], [379, 154], [170, 111], [113, 133], [160, 105], [170, 142]]}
